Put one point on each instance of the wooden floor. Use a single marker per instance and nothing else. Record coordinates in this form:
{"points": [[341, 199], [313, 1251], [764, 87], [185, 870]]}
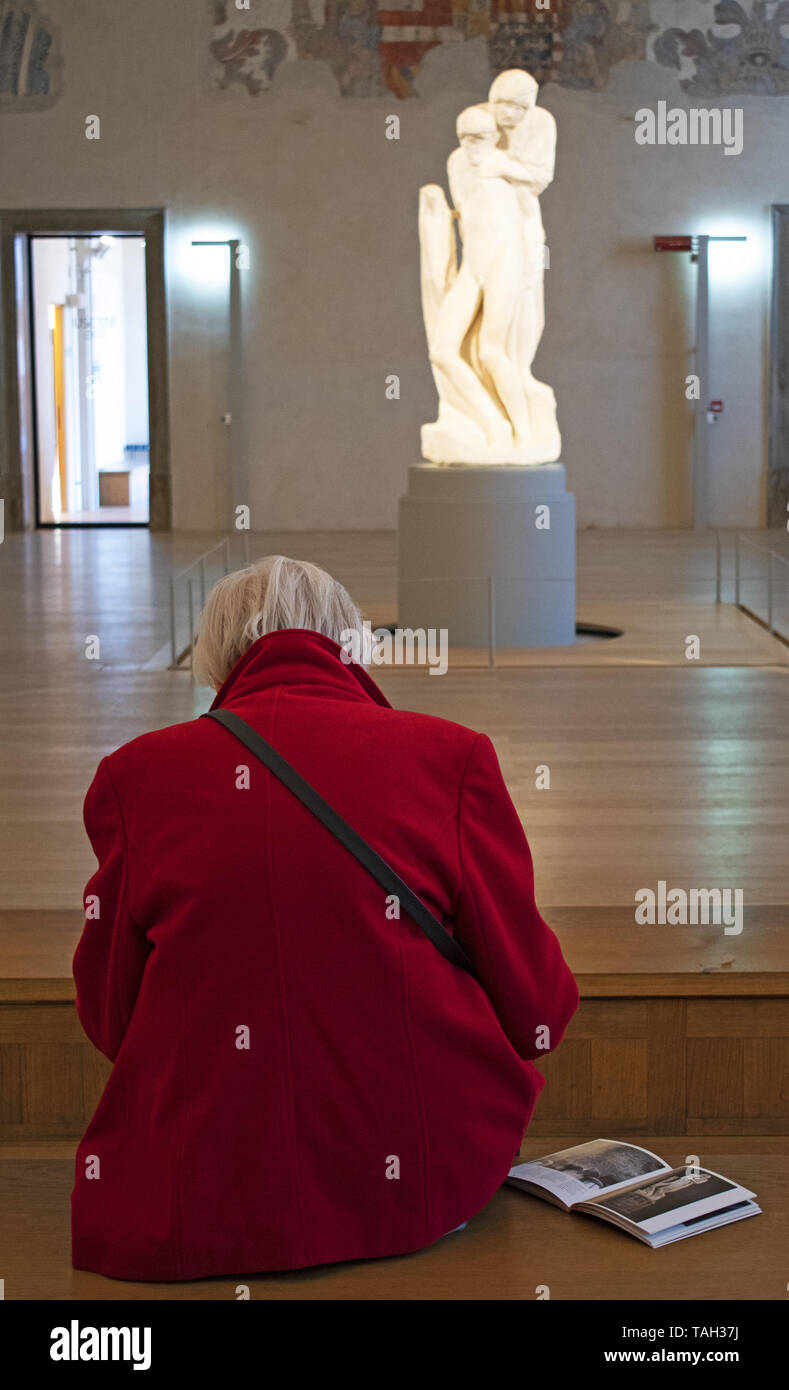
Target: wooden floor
{"points": [[660, 767]]}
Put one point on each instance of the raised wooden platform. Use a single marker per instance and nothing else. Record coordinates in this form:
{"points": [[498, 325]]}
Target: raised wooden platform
{"points": [[681, 1030], [515, 1245]]}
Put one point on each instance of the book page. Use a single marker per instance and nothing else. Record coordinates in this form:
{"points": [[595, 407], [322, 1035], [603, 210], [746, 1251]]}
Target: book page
{"points": [[588, 1170], [671, 1198]]}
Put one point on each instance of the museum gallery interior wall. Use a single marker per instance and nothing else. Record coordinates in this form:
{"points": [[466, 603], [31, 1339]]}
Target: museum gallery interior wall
{"points": [[273, 124]]}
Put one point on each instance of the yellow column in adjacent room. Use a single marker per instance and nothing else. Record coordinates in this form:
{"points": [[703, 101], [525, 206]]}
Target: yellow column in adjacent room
{"points": [[58, 371]]}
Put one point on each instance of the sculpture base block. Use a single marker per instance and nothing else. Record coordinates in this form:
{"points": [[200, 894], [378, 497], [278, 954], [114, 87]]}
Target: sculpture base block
{"points": [[446, 450], [461, 527], [443, 442]]}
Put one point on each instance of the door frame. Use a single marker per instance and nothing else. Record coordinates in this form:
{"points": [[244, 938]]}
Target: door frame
{"points": [[148, 223], [778, 408]]}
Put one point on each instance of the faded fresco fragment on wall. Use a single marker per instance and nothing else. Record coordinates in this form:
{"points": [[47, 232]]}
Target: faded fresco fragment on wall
{"points": [[740, 49], [712, 48], [30, 60]]}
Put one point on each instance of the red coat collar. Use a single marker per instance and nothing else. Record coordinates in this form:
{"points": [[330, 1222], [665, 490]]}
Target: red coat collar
{"points": [[297, 656]]}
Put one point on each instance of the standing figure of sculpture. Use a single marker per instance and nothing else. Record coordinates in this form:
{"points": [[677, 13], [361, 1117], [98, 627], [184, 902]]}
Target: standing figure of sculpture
{"points": [[484, 316]]}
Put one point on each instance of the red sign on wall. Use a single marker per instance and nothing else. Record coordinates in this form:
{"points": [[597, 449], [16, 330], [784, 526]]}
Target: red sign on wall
{"points": [[673, 243]]}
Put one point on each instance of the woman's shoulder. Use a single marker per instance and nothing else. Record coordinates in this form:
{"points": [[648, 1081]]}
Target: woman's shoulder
{"points": [[434, 726], [428, 742], [155, 745], [430, 733]]}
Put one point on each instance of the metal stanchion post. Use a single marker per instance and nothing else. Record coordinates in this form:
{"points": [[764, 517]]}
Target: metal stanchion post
{"points": [[491, 623], [191, 627], [173, 637]]}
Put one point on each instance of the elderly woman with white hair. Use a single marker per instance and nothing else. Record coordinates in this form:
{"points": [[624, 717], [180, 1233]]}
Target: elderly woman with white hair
{"points": [[312, 953]]}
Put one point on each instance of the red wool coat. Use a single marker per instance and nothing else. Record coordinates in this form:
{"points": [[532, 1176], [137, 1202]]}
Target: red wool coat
{"points": [[300, 1078]]}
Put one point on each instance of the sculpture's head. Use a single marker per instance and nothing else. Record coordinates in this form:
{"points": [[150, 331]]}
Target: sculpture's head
{"points": [[512, 93], [477, 132]]}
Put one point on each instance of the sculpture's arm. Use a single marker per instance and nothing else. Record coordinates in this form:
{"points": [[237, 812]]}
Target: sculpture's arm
{"points": [[537, 173], [539, 155], [499, 164], [457, 165], [438, 255]]}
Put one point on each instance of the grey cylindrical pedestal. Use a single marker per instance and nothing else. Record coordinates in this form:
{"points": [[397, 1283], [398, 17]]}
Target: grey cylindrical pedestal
{"points": [[463, 526]]}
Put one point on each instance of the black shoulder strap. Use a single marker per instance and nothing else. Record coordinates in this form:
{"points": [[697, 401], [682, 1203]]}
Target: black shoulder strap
{"points": [[347, 836]]}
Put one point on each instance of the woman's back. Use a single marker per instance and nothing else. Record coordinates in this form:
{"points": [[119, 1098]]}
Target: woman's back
{"points": [[301, 1077]]}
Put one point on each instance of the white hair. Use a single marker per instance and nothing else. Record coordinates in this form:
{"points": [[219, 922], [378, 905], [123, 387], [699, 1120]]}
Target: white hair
{"points": [[267, 596]]}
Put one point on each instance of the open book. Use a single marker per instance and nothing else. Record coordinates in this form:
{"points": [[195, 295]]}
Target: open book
{"points": [[635, 1190]]}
